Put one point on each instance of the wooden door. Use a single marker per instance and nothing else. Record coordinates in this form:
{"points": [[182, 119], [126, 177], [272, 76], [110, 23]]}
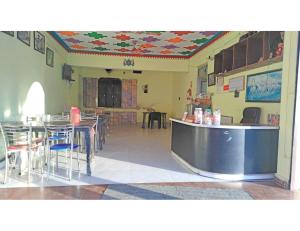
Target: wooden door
{"points": [[90, 92]]}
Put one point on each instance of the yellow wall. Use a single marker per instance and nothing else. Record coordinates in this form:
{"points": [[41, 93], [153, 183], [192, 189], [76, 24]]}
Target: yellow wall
{"points": [[229, 105], [116, 62], [20, 67], [159, 94]]}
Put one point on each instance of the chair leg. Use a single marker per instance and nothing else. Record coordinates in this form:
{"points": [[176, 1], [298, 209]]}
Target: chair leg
{"points": [[78, 163], [29, 165], [71, 163], [56, 160], [6, 170], [48, 164]]}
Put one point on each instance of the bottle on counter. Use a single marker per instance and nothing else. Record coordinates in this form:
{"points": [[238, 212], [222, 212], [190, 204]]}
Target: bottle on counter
{"points": [[198, 115], [217, 117], [207, 117]]}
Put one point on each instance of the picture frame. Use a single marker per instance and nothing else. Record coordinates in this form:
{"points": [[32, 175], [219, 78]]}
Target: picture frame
{"points": [[10, 33], [24, 36], [49, 57], [264, 87], [211, 79], [236, 84], [39, 42]]}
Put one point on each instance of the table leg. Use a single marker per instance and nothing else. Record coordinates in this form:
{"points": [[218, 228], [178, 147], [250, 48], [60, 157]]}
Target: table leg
{"points": [[144, 118], [164, 121], [88, 151]]}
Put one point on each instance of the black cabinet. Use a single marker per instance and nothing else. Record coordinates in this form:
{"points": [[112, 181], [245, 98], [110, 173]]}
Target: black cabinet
{"points": [[109, 92]]}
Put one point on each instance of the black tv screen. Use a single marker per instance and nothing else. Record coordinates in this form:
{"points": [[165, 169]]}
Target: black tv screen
{"points": [[67, 72]]}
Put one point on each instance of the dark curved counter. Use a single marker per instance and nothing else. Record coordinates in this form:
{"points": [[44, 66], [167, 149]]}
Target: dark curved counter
{"points": [[230, 152]]}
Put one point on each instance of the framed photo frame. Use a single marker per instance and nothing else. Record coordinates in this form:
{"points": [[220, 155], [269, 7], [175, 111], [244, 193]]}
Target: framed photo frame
{"points": [[11, 33], [211, 79], [236, 84], [39, 42], [24, 36], [264, 87], [49, 57]]}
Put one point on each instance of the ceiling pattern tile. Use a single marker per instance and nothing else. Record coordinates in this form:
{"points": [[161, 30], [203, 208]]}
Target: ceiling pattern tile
{"points": [[168, 44]]}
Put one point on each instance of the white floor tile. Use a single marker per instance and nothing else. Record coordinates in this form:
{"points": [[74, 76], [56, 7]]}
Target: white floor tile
{"points": [[130, 155]]}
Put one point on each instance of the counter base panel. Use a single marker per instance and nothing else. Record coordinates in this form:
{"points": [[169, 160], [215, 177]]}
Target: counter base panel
{"points": [[231, 177]]}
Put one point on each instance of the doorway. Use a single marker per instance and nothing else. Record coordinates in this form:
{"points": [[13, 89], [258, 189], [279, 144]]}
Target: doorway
{"points": [[202, 80]]}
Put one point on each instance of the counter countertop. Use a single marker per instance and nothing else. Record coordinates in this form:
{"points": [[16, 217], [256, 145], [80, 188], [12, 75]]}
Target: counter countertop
{"points": [[233, 126]]}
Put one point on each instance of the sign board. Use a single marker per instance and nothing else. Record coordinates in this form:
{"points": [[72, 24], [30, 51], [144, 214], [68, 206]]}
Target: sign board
{"points": [[237, 84]]}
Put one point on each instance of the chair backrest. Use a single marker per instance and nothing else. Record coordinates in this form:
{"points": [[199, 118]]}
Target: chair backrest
{"points": [[3, 144], [65, 131], [251, 115], [59, 117], [33, 118], [88, 116], [15, 134]]}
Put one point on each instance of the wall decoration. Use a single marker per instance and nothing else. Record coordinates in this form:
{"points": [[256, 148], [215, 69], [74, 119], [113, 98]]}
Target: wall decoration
{"points": [[49, 57], [236, 84], [220, 83], [189, 92], [264, 87], [128, 62], [11, 33], [171, 44], [39, 42], [211, 79], [145, 88], [24, 36], [226, 87]]}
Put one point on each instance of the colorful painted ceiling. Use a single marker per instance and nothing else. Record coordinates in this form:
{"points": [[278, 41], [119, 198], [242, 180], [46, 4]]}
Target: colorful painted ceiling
{"points": [[169, 44]]}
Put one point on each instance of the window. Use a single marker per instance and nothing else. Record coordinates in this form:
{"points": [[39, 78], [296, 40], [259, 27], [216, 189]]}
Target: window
{"points": [[109, 92]]}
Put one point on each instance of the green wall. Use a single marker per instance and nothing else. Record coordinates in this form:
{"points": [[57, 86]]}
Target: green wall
{"points": [[20, 67]]}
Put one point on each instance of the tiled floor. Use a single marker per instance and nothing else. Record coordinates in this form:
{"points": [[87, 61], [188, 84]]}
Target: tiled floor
{"points": [[133, 155], [130, 155]]}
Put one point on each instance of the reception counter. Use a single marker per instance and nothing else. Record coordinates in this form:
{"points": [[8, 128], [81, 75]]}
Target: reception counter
{"points": [[229, 152]]}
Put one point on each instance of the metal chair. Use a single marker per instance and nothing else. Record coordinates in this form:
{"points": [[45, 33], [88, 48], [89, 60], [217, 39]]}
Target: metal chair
{"points": [[96, 139], [61, 139], [17, 139]]}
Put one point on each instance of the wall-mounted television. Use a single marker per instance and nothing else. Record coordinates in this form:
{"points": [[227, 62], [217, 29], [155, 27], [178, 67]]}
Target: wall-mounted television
{"points": [[67, 72]]}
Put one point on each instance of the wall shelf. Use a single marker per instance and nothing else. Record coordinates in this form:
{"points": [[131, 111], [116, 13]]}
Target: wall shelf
{"points": [[252, 66], [254, 50]]}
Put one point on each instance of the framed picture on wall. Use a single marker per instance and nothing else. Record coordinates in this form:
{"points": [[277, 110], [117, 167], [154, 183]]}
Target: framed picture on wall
{"points": [[39, 42], [264, 87], [49, 57], [24, 36], [211, 79], [11, 33]]}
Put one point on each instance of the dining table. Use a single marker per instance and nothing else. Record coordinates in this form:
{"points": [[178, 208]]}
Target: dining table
{"points": [[85, 127]]}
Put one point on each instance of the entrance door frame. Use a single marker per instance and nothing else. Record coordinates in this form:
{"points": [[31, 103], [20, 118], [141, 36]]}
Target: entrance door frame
{"points": [[295, 158]]}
